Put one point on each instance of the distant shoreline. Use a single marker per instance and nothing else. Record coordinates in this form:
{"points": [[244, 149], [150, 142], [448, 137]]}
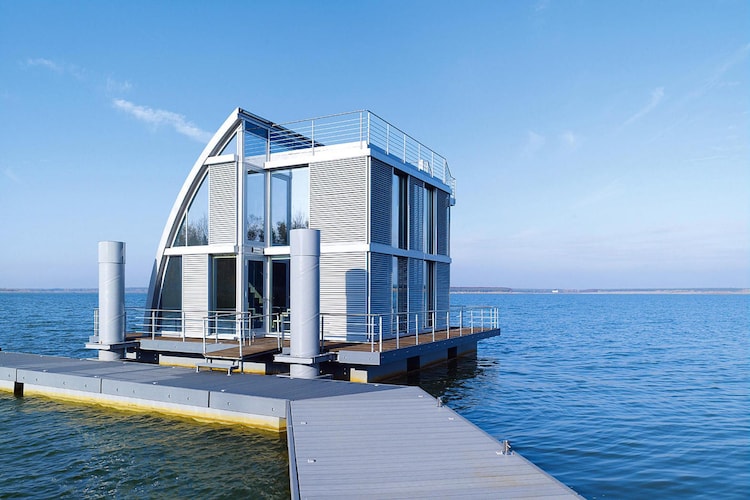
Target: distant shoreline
{"points": [[597, 291], [67, 290], [466, 290]]}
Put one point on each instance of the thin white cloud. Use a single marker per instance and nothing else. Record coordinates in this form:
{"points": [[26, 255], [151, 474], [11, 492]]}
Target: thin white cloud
{"points": [[715, 79], [57, 67], [602, 195], [10, 174], [570, 140], [45, 63], [534, 142], [656, 97], [117, 86], [160, 117], [541, 5]]}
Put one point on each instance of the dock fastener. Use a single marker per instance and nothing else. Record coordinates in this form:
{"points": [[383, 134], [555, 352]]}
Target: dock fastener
{"points": [[439, 401], [506, 448]]}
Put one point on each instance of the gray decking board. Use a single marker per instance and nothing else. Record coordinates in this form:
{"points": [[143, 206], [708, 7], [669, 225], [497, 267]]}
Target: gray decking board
{"points": [[345, 439], [400, 444]]}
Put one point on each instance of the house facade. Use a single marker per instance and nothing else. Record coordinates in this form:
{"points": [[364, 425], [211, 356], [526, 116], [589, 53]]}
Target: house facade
{"points": [[380, 199]]}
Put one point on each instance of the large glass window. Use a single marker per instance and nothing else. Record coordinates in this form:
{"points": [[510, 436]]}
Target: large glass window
{"points": [[399, 210], [429, 219], [194, 228], [255, 203], [170, 301], [290, 202], [255, 141], [399, 294]]}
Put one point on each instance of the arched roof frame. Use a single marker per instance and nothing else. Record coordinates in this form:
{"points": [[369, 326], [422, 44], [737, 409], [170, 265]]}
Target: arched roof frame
{"points": [[231, 126]]}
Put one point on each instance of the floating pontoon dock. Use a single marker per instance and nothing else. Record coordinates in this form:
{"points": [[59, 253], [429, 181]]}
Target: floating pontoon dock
{"points": [[345, 439]]}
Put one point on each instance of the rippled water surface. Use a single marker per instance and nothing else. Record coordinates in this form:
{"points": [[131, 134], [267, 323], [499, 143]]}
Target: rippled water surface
{"points": [[618, 396]]}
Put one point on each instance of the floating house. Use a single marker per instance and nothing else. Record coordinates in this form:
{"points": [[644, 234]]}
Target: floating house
{"points": [[380, 201]]}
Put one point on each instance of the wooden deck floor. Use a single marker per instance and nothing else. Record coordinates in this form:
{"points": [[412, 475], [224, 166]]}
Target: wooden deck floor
{"points": [[269, 345]]}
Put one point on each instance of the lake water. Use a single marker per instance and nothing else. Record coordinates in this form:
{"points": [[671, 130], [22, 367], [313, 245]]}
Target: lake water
{"points": [[618, 396]]}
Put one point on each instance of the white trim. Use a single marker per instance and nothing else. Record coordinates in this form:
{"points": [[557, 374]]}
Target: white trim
{"points": [[225, 248], [214, 160], [322, 153]]}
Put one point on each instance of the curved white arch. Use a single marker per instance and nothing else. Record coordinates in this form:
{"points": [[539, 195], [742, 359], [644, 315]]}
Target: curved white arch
{"points": [[184, 197]]}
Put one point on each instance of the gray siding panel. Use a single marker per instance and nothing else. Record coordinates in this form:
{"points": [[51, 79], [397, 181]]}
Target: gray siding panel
{"points": [[416, 284], [443, 206], [343, 291], [416, 214], [194, 292], [442, 292], [223, 204], [381, 185], [380, 287], [338, 204]]}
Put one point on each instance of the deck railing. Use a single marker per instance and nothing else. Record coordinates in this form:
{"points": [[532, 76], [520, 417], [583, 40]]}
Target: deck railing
{"points": [[243, 327], [365, 128], [407, 328]]}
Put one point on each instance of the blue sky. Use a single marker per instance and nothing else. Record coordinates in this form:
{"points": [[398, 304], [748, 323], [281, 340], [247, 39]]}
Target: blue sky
{"points": [[595, 144]]}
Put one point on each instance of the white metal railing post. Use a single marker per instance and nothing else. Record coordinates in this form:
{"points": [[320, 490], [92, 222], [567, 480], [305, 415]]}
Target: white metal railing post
{"points": [[361, 118], [368, 127], [398, 330], [312, 136], [370, 328], [380, 331], [448, 325], [322, 332], [182, 324], [387, 138], [461, 322], [416, 326], [433, 325], [404, 147], [205, 325]]}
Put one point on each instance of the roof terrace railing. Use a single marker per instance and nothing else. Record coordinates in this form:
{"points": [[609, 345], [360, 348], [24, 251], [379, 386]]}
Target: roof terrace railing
{"points": [[364, 127]]}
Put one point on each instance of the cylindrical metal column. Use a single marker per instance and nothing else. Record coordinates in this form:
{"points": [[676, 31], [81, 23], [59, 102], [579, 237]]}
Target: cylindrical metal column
{"points": [[111, 297], [304, 299]]}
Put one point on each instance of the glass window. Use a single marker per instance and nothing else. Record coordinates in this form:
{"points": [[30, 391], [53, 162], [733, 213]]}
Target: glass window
{"points": [[194, 226], [290, 202], [170, 301], [429, 219], [255, 203], [255, 141], [399, 210], [399, 293]]}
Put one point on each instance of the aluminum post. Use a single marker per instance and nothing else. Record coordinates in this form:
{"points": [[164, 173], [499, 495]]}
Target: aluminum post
{"points": [[304, 300], [111, 298]]}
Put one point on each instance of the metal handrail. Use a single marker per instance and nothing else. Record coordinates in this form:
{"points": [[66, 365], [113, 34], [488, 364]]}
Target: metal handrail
{"points": [[364, 127], [375, 328], [378, 327]]}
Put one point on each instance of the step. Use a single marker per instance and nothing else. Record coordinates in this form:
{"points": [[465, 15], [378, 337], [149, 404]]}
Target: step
{"points": [[224, 364]]}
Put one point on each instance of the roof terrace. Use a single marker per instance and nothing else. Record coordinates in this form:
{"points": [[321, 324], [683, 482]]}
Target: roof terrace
{"points": [[364, 127]]}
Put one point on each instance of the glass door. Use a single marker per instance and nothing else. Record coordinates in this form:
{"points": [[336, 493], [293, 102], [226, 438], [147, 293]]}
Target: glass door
{"points": [[224, 278]]}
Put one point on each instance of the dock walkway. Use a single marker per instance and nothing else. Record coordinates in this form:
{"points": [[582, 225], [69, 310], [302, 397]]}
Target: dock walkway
{"points": [[345, 439]]}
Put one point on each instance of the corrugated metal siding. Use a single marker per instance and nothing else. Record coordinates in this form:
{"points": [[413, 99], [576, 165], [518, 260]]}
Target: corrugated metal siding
{"points": [[194, 292], [343, 290], [416, 214], [223, 204], [416, 285], [381, 185], [338, 200], [443, 204], [442, 292], [380, 287]]}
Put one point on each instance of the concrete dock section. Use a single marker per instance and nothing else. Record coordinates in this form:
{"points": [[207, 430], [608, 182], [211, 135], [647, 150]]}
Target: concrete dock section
{"points": [[345, 439]]}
